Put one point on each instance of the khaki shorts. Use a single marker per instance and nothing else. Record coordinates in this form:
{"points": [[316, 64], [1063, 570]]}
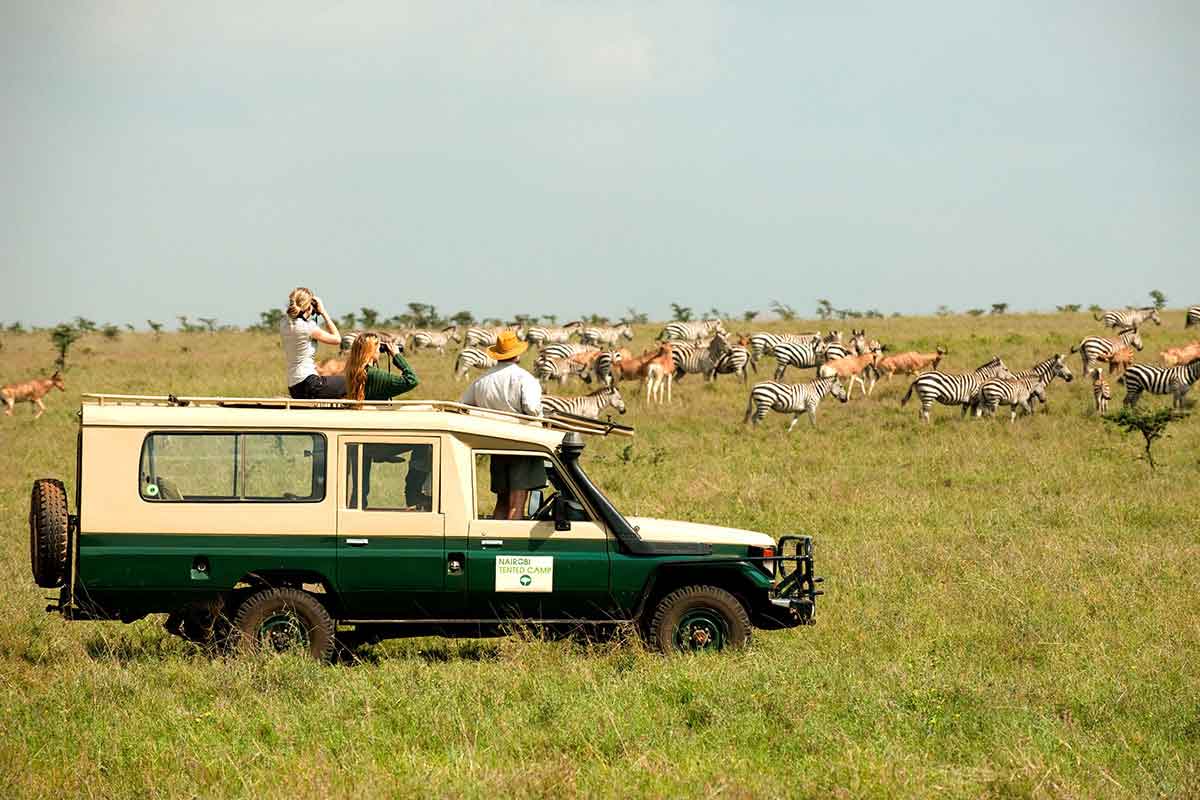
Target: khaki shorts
{"points": [[516, 473]]}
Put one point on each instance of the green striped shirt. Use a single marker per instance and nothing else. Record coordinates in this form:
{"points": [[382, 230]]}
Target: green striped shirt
{"points": [[384, 385]]}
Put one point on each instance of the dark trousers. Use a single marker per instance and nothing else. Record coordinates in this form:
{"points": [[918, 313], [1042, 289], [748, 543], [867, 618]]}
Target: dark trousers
{"points": [[318, 387]]}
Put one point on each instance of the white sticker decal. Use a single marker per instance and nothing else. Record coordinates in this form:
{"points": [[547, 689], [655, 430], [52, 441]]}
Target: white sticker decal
{"points": [[524, 573]]}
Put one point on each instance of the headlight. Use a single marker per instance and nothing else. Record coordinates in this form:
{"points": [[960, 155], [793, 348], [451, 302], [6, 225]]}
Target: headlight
{"points": [[764, 552]]}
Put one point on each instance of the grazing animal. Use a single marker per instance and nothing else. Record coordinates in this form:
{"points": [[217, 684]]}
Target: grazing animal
{"points": [[658, 371], [763, 344], [700, 361], [1023, 388], [1101, 391], [910, 363], [1129, 317], [1099, 348], [1180, 355], [734, 362], [484, 336], [539, 336], [1193, 317], [832, 351], [589, 405], [803, 355], [604, 365], [548, 368], [1120, 360], [630, 367], [470, 358], [690, 331], [850, 367], [951, 389], [349, 339], [598, 335], [567, 350], [1174, 381], [434, 340], [791, 398], [32, 392]]}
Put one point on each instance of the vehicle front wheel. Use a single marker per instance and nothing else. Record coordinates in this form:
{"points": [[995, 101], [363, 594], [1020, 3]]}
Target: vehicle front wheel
{"points": [[698, 618], [278, 620]]}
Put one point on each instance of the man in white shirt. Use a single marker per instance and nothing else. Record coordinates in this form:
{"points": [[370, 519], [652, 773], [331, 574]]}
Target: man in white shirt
{"points": [[508, 387]]}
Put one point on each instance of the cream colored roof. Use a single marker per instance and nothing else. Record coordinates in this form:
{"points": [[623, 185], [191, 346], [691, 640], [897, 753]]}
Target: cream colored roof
{"points": [[282, 413]]}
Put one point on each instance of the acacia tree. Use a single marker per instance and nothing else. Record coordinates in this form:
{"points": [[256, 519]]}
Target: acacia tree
{"points": [[210, 323], [155, 326], [1160, 299], [999, 308], [1152, 425], [370, 317], [681, 313], [64, 336]]}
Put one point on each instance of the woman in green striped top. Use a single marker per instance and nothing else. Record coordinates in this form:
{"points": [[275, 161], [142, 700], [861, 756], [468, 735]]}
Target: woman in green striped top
{"points": [[366, 381]]}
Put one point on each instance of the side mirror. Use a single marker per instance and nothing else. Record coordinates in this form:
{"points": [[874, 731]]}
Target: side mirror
{"points": [[535, 502], [561, 521]]}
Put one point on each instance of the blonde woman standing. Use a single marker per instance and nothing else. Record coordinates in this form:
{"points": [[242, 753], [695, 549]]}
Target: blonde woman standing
{"points": [[300, 335]]}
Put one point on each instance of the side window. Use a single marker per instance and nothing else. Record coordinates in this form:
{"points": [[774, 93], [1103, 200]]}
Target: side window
{"points": [[395, 476], [233, 467], [499, 472]]}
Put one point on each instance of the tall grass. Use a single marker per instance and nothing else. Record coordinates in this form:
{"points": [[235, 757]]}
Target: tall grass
{"points": [[1012, 610]]}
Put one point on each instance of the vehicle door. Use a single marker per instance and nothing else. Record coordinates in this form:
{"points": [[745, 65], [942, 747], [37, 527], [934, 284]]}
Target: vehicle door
{"points": [[525, 569], [390, 526]]}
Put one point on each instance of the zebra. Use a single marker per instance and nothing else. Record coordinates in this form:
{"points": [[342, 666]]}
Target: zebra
{"points": [[690, 359], [348, 339], [803, 355], [483, 336], [1193, 317], [953, 389], [1159, 380], [434, 340], [734, 362], [828, 351], [602, 366], [548, 368], [1099, 348], [1045, 371], [690, 331], [763, 343], [598, 335], [791, 398], [539, 336], [1101, 391], [471, 358], [589, 405], [1129, 317]]}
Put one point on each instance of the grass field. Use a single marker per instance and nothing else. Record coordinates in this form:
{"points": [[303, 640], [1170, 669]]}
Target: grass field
{"points": [[1011, 610]]}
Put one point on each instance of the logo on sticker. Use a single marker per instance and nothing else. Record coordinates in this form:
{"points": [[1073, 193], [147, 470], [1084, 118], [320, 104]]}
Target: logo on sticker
{"points": [[524, 573]]}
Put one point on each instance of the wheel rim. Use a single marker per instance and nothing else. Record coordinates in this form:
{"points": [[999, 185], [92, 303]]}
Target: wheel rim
{"points": [[283, 631], [701, 629]]}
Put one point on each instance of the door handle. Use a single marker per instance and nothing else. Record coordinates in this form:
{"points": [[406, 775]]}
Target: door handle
{"points": [[357, 542], [491, 543]]}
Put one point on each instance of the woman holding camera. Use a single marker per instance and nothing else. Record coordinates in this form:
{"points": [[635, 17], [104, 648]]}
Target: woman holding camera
{"points": [[365, 380], [300, 335]]}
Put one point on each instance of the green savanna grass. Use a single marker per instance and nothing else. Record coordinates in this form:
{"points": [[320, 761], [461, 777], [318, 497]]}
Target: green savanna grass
{"points": [[1011, 610]]}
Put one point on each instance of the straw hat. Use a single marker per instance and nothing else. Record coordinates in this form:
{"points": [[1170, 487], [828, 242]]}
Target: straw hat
{"points": [[507, 347]]}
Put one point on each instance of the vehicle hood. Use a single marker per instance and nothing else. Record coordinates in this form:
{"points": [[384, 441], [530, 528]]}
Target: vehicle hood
{"points": [[670, 530]]}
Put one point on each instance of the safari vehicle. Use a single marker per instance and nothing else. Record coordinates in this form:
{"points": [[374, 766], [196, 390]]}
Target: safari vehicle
{"points": [[247, 521]]}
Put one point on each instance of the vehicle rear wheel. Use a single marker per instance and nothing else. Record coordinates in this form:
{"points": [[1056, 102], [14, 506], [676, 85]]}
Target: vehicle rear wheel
{"points": [[48, 532], [279, 620], [698, 618]]}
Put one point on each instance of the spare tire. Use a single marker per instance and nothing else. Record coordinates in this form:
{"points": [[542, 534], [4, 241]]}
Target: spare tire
{"points": [[48, 532]]}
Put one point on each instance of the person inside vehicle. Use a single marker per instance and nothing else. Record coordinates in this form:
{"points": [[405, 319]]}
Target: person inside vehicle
{"points": [[300, 335], [508, 387]]}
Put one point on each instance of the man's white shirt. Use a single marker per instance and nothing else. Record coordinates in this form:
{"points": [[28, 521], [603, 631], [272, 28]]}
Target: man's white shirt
{"points": [[506, 387]]}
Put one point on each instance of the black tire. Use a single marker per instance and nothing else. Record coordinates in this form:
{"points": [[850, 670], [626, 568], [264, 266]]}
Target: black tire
{"points": [[696, 618], [48, 532], [283, 619]]}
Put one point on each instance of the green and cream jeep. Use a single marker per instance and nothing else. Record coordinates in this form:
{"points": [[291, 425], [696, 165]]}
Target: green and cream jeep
{"points": [[280, 523]]}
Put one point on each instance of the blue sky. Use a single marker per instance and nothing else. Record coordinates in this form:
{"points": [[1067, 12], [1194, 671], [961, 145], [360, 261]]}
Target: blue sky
{"points": [[571, 158]]}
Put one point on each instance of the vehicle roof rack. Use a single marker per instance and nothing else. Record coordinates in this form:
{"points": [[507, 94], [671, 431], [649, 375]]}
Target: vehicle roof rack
{"points": [[558, 421]]}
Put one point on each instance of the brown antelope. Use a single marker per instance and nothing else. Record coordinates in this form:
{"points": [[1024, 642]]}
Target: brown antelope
{"points": [[910, 363], [1120, 360], [32, 391], [850, 367], [658, 371], [1173, 356]]}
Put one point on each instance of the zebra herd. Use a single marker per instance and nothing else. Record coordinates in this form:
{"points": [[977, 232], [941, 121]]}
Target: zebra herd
{"points": [[594, 353]]}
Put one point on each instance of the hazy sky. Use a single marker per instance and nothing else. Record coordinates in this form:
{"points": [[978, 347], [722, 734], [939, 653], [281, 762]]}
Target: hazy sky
{"points": [[203, 158]]}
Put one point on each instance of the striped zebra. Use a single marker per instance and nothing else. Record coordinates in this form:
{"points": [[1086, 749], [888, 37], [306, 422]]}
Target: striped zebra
{"points": [[548, 368], [470, 358], [603, 365], [953, 389], [1101, 391], [589, 405], [485, 337], [568, 350], [1023, 388], [690, 331], [434, 340], [1159, 380], [1129, 317], [1193, 317], [734, 362], [598, 335], [693, 360], [538, 335], [830, 351], [802, 355], [791, 398], [763, 343], [1094, 349]]}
